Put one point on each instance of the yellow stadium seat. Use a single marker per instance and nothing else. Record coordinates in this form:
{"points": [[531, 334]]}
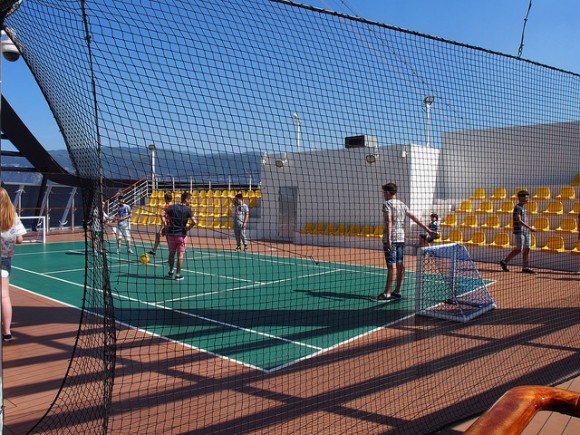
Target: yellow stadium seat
{"points": [[455, 236], [485, 207], [542, 224], [450, 221], [478, 239], [542, 193], [507, 207], [532, 207], [501, 240], [576, 249], [498, 194], [464, 207], [566, 193], [331, 229], [135, 220], [342, 230], [153, 220], [554, 245], [469, 222], [491, 222], [516, 190], [479, 193], [367, 231], [575, 208], [567, 225], [554, 208], [319, 228], [354, 230], [378, 232], [258, 193], [143, 219], [153, 202], [308, 228], [252, 203], [576, 181], [533, 246]]}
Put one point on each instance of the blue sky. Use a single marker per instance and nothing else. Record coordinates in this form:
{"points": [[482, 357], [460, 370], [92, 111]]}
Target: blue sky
{"points": [[552, 37]]}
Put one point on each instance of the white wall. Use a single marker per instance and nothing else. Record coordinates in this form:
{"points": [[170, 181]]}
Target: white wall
{"points": [[516, 156], [339, 186]]}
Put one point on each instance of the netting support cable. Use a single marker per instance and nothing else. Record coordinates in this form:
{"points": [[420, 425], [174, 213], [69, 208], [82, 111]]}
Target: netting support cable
{"points": [[521, 49], [109, 331]]}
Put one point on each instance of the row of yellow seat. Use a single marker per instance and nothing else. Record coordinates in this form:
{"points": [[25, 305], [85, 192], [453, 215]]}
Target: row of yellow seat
{"points": [[351, 230], [544, 192], [541, 223], [554, 244], [507, 207], [154, 218], [209, 193], [204, 201], [213, 222]]}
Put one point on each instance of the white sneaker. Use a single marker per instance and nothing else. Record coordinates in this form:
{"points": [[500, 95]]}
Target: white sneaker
{"points": [[130, 251]]}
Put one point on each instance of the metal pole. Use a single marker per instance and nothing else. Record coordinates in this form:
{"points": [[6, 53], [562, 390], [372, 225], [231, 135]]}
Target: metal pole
{"points": [[427, 125], [152, 157], [297, 121], [428, 103]]}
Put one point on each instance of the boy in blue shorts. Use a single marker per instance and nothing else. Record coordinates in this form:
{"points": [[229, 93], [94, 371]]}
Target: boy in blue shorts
{"points": [[394, 214]]}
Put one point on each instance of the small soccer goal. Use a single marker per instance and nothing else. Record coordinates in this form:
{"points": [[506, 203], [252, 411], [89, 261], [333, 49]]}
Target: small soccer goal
{"points": [[448, 285], [35, 228]]}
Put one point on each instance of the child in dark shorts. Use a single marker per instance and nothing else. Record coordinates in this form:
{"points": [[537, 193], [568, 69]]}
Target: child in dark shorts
{"points": [[424, 238]]}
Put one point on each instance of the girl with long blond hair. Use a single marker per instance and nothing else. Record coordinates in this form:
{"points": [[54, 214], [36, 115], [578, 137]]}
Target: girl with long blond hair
{"points": [[12, 232]]}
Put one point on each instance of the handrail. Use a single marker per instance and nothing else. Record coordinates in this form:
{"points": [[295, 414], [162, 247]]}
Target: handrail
{"points": [[516, 408]]}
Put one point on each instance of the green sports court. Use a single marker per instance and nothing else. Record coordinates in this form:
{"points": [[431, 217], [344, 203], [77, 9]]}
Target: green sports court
{"points": [[266, 312]]}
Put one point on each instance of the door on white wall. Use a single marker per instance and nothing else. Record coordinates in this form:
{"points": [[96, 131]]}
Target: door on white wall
{"points": [[287, 212]]}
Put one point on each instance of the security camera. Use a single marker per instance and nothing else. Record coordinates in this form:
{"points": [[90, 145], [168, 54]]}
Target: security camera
{"points": [[10, 52], [9, 49]]}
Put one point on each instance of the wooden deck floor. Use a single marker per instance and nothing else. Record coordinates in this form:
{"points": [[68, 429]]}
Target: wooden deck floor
{"points": [[44, 330]]}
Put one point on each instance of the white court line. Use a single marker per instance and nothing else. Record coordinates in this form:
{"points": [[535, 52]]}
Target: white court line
{"points": [[184, 313], [218, 322], [256, 284], [160, 304]]}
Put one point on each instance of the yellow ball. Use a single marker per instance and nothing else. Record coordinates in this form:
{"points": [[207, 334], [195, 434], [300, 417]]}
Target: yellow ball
{"points": [[144, 258]]}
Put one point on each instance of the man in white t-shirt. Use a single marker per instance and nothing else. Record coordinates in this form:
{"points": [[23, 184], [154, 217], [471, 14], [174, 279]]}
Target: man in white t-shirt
{"points": [[394, 214]]}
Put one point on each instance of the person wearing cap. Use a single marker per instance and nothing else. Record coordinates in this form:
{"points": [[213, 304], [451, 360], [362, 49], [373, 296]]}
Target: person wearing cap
{"points": [[522, 234]]}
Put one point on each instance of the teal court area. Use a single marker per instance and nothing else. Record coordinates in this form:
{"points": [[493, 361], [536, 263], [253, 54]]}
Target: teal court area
{"points": [[266, 312]]}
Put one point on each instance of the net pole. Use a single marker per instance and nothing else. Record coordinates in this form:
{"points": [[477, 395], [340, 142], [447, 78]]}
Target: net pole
{"points": [[419, 280], [450, 295]]}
